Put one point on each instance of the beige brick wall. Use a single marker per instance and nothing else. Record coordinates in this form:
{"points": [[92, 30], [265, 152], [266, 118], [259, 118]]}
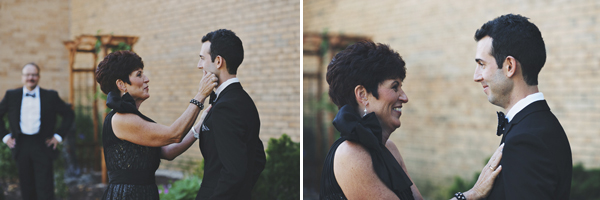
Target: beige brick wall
{"points": [[448, 126], [33, 31]]}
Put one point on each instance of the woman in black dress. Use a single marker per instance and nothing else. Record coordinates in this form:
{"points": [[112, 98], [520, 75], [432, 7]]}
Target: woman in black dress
{"points": [[365, 82], [133, 143]]}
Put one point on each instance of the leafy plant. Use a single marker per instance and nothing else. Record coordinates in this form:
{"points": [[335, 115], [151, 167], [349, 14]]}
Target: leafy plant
{"points": [[585, 183], [184, 189], [281, 177], [193, 168]]}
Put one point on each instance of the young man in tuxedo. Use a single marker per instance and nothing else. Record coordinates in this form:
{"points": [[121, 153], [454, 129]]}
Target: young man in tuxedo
{"points": [[536, 161], [32, 115], [233, 153]]}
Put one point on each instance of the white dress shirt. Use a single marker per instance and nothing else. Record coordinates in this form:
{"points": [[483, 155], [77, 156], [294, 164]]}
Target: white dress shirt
{"points": [[529, 99], [224, 85], [30, 120]]}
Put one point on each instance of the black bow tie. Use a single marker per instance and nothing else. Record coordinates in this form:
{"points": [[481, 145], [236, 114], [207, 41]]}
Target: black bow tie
{"points": [[30, 95], [213, 97], [502, 122]]}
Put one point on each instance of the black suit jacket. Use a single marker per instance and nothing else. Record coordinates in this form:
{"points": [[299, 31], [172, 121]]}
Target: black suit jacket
{"points": [[233, 153], [51, 105], [536, 160]]}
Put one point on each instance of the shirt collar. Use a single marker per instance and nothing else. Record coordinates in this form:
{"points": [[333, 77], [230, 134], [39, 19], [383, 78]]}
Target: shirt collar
{"points": [[225, 84], [523, 103], [35, 90]]}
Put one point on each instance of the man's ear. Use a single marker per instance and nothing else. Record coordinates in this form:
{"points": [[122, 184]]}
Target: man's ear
{"points": [[360, 93], [510, 66], [219, 61], [121, 85]]}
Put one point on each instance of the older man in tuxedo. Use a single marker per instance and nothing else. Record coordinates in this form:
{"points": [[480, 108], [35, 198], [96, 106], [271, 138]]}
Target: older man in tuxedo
{"points": [[32, 115], [233, 153], [536, 161]]}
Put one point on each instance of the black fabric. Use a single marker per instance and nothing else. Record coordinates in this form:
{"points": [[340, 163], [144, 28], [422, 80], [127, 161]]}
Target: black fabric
{"points": [[536, 160], [134, 177], [34, 158], [367, 132], [502, 122], [213, 97], [122, 156], [233, 153], [35, 168]]}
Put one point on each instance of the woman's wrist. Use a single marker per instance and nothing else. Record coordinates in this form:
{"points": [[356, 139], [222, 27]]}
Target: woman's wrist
{"points": [[199, 97], [472, 195]]}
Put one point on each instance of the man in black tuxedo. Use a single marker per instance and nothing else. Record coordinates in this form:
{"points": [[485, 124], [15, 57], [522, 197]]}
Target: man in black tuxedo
{"points": [[32, 118], [536, 161], [233, 153]]}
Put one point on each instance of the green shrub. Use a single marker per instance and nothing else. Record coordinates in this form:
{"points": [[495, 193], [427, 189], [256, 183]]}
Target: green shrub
{"points": [[281, 176], [193, 168], [8, 166], [184, 189], [585, 183]]}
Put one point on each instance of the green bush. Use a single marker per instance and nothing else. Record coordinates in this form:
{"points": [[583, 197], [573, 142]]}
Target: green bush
{"points": [[184, 189], [8, 166], [281, 176], [585, 183]]}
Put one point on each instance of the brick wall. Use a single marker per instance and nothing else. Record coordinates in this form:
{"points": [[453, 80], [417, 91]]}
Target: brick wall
{"points": [[33, 31], [448, 126]]}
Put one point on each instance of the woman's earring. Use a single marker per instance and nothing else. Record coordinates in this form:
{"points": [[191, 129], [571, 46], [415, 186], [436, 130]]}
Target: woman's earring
{"points": [[365, 111]]}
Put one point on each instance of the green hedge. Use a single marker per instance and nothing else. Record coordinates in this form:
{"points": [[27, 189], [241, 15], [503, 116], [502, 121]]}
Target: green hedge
{"points": [[281, 177]]}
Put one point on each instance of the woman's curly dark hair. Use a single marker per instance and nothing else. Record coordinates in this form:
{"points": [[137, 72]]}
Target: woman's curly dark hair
{"points": [[117, 65], [364, 63]]}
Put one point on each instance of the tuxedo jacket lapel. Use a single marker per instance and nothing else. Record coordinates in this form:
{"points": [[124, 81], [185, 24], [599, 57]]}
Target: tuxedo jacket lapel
{"points": [[221, 96], [17, 114], [537, 106]]}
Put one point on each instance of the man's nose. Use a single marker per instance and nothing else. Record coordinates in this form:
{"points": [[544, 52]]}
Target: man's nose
{"points": [[477, 75]]}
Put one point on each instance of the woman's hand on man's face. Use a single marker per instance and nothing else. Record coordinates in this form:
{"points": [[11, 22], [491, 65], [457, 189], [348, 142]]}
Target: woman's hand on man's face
{"points": [[207, 84]]}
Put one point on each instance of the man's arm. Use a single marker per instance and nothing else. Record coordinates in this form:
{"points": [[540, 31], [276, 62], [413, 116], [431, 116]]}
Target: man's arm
{"points": [[64, 110], [231, 146], [3, 110], [527, 168]]}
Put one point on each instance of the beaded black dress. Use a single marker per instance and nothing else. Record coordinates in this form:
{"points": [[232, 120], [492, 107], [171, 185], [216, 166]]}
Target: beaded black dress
{"points": [[366, 131], [131, 167]]}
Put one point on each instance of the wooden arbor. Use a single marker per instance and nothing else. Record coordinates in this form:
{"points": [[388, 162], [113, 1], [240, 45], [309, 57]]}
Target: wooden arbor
{"points": [[93, 44]]}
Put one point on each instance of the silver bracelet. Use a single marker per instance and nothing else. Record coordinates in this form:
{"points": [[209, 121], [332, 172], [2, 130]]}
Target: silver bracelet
{"points": [[196, 135]]}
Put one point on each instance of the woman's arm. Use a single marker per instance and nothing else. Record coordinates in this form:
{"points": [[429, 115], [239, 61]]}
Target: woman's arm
{"points": [[485, 182], [134, 129], [171, 151], [353, 170], [394, 150]]}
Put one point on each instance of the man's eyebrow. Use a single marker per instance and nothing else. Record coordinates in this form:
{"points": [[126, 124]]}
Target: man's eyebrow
{"points": [[477, 60]]}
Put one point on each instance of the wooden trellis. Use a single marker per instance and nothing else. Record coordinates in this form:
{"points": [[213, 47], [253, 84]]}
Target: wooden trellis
{"points": [[87, 44]]}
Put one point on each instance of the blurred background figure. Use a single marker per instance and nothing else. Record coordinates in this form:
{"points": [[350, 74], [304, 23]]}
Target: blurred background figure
{"points": [[32, 113]]}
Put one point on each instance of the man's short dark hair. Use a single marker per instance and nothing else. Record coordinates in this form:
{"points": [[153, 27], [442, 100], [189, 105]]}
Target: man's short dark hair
{"points": [[513, 35], [226, 44], [364, 63], [31, 63], [117, 65]]}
